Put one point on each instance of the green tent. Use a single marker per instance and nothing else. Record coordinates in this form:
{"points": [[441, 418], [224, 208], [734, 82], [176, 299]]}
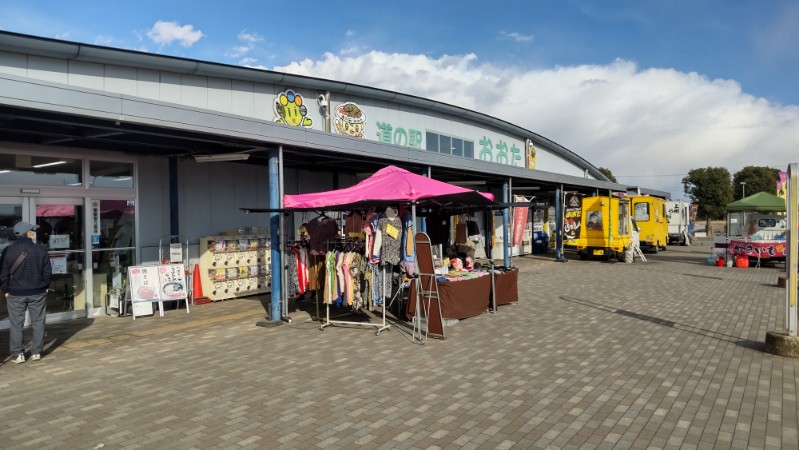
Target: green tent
{"points": [[760, 202]]}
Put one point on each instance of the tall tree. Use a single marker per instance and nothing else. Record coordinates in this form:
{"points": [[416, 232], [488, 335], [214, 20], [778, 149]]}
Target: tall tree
{"points": [[711, 188], [608, 174], [756, 179]]}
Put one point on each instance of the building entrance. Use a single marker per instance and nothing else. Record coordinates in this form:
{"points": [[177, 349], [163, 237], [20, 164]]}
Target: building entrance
{"points": [[61, 230]]}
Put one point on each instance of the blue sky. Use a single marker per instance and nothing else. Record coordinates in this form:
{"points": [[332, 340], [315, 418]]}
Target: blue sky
{"points": [[623, 83]]}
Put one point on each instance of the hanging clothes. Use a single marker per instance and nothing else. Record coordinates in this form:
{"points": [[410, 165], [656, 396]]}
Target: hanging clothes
{"points": [[320, 231], [390, 228]]}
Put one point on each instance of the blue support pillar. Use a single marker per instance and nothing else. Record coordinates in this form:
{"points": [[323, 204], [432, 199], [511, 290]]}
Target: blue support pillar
{"points": [[174, 203], [505, 225], [422, 222], [274, 235]]}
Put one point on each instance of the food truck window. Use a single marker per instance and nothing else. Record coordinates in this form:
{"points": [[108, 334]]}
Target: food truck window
{"points": [[641, 212], [767, 223]]}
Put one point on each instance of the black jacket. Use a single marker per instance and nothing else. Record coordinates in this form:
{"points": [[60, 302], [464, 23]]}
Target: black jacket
{"points": [[33, 275]]}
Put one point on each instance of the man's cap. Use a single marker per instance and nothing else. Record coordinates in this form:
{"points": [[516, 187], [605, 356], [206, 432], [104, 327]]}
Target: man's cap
{"points": [[22, 228]]}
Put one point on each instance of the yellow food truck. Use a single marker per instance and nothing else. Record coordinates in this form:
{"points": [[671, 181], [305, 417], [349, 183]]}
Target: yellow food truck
{"points": [[653, 223], [597, 226]]}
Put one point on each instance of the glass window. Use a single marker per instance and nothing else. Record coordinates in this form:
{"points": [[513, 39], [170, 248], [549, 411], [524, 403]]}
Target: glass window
{"points": [[432, 141], [22, 170], [767, 223], [108, 174], [468, 149], [445, 145], [457, 147], [624, 228], [641, 212], [117, 219]]}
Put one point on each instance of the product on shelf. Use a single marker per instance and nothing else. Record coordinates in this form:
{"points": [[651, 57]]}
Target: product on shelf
{"points": [[235, 265]]}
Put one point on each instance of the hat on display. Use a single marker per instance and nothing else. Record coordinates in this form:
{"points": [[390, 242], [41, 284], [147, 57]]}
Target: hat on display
{"points": [[22, 228]]}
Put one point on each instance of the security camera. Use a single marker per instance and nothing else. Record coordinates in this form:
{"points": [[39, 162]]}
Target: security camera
{"points": [[321, 100]]}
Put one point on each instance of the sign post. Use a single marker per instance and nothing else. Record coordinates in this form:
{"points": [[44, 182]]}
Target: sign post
{"points": [[786, 343], [792, 259]]}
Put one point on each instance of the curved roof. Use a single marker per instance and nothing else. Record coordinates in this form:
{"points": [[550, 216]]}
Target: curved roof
{"points": [[48, 47]]}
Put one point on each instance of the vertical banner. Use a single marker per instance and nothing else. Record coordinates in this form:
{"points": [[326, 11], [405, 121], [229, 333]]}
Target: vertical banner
{"points": [[531, 157], [572, 217], [791, 259], [519, 221]]}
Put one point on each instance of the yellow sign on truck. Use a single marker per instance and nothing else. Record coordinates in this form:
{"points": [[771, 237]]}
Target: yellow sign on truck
{"points": [[653, 221], [597, 226]]}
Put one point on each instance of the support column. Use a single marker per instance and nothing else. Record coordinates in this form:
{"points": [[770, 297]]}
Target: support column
{"points": [[275, 238], [174, 203], [505, 243]]}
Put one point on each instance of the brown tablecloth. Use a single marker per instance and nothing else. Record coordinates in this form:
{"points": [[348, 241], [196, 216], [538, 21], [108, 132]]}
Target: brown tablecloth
{"points": [[507, 287], [459, 299]]}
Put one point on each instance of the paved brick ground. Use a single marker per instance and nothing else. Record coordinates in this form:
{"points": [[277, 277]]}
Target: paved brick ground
{"points": [[664, 354]]}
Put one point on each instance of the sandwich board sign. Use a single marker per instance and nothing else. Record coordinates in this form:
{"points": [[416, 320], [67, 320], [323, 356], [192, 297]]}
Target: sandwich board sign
{"points": [[150, 284]]}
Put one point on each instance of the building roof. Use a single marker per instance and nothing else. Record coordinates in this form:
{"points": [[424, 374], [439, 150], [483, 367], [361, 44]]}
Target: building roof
{"points": [[141, 131]]}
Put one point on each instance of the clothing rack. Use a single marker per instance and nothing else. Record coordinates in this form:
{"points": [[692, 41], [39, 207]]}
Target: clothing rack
{"points": [[329, 322]]}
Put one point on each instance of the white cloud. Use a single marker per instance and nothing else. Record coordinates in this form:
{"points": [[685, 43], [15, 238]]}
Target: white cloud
{"points": [[650, 127], [164, 33], [249, 42], [104, 40], [517, 36], [349, 33], [250, 38]]}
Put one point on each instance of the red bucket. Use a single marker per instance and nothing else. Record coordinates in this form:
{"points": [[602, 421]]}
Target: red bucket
{"points": [[720, 262], [741, 261]]}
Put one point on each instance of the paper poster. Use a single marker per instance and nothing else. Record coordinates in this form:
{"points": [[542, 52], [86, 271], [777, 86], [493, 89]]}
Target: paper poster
{"points": [[172, 282], [176, 253], [58, 241], [58, 263], [143, 281]]}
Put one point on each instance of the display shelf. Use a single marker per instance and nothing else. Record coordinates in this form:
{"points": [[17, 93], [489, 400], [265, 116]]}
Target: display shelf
{"points": [[235, 265]]}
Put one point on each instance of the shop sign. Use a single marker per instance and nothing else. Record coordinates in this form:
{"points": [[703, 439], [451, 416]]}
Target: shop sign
{"points": [[96, 217]]}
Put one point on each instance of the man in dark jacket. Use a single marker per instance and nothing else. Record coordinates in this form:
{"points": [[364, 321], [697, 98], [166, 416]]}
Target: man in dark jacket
{"points": [[25, 274]]}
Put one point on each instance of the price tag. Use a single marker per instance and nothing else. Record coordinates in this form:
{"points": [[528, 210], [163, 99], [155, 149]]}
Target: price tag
{"points": [[392, 231]]}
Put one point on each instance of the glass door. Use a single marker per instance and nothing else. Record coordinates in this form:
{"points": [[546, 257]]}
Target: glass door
{"points": [[12, 210], [61, 230]]}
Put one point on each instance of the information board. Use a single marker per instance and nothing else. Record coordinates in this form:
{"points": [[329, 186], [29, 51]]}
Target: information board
{"points": [[148, 284]]}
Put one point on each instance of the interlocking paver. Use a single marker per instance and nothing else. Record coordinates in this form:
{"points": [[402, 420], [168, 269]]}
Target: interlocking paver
{"points": [[664, 354]]}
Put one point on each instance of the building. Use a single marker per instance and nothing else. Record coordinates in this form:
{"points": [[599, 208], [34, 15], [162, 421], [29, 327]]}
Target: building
{"points": [[113, 151]]}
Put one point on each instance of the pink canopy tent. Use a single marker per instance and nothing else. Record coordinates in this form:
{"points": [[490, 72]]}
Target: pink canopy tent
{"points": [[389, 185]]}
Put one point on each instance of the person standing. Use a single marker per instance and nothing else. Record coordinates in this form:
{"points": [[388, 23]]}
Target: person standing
{"points": [[25, 274]]}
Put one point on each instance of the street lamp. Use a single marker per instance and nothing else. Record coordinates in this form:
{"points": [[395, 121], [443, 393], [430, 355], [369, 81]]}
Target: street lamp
{"points": [[743, 189]]}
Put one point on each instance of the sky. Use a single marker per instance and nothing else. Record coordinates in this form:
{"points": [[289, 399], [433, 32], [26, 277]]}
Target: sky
{"points": [[649, 89]]}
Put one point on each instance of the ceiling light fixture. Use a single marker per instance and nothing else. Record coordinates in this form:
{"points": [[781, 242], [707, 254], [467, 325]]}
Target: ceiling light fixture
{"points": [[222, 157], [468, 183], [54, 163]]}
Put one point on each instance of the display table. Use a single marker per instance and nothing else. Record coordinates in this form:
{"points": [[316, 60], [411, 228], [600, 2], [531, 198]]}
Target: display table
{"points": [[758, 248], [506, 285], [459, 299]]}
